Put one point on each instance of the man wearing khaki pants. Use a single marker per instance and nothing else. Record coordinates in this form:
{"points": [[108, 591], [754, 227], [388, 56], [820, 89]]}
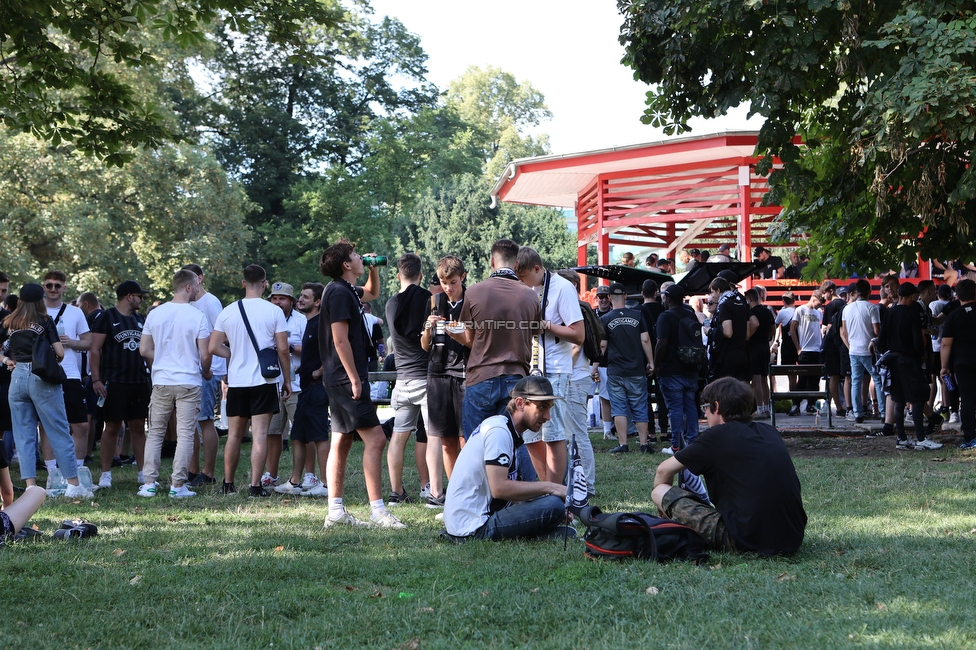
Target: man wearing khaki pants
{"points": [[175, 341]]}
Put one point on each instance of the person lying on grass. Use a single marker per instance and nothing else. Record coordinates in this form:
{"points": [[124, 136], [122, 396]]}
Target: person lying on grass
{"points": [[15, 515], [750, 477], [484, 500]]}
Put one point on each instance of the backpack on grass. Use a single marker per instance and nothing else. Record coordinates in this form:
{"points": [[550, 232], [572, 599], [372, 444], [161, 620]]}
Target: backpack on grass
{"points": [[638, 535]]}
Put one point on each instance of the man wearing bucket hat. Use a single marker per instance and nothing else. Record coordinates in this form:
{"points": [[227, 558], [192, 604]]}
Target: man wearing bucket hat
{"points": [[484, 500]]}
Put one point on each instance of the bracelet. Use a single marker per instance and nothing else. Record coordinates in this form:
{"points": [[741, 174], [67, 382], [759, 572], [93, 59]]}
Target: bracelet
{"points": [[94, 381]]}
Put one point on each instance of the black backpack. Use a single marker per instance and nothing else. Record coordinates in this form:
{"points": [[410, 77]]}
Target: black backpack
{"points": [[691, 348], [594, 332], [638, 535]]}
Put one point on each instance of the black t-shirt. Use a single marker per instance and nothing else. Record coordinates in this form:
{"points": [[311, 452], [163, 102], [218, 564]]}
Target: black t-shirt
{"points": [[759, 341], [668, 364], [902, 332], [121, 361], [753, 484], [90, 317], [4, 373], [311, 360], [405, 317], [960, 326], [767, 270], [340, 303], [20, 346], [652, 311], [625, 355], [454, 356], [729, 353]]}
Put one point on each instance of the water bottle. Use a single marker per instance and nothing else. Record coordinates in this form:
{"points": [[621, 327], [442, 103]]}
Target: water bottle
{"points": [[101, 400], [440, 336], [85, 477], [56, 484], [61, 329], [374, 260]]}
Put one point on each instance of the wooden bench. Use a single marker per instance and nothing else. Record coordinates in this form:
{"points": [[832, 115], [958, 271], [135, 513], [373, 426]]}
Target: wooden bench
{"points": [[805, 370], [388, 375]]}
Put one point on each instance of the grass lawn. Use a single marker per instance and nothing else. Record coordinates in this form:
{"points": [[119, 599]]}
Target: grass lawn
{"points": [[888, 561]]}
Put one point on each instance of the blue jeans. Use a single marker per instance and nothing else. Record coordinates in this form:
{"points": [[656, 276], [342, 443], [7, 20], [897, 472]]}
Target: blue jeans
{"points": [[679, 394], [488, 398], [859, 366], [530, 518], [31, 400]]}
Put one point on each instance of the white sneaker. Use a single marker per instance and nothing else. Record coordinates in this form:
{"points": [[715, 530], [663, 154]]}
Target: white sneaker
{"points": [[927, 444], [345, 519], [105, 480], [78, 492], [269, 481], [181, 492], [288, 488], [317, 491], [385, 519], [668, 450], [439, 516], [954, 417], [850, 415], [148, 490], [309, 481]]}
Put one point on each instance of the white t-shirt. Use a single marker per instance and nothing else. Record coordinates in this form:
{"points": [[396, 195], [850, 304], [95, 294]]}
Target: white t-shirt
{"points": [[210, 305], [808, 328], [175, 329], [75, 324], [468, 502], [296, 332], [936, 307], [266, 319], [562, 309], [858, 318]]}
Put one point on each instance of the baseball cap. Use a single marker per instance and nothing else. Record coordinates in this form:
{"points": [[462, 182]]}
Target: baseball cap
{"points": [[603, 290], [617, 289], [843, 291], [723, 248], [127, 287], [694, 251], [283, 289], [728, 274], [759, 250], [906, 289], [534, 389], [675, 292]]}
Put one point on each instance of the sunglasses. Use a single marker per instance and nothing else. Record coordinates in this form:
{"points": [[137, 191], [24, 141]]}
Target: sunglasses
{"points": [[52, 285]]}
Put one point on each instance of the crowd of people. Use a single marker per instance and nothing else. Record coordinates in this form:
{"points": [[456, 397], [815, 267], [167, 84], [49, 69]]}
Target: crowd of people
{"points": [[493, 379]]}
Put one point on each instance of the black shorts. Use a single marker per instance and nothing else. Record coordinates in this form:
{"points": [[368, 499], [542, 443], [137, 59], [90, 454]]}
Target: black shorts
{"points": [[830, 356], [845, 362], [7, 531], [75, 405], [124, 402], [91, 399], [311, 423], [445, 397], [5, 423], [349, 415], [934, 366], [3, 454], [787, 353], [252, 400], [759, 361]]}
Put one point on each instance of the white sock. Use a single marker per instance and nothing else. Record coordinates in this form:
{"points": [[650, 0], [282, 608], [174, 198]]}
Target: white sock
{"points": [[79, 462], [378, 506], [51, 465], [336, 508], [606, 427]]}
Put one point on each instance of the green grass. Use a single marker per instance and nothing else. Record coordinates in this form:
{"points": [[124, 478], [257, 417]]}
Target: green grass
{"points": [[888, 561]]}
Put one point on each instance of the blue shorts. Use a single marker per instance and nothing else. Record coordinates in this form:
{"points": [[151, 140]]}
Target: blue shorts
{"points": [[209, 395], [628, 395]]}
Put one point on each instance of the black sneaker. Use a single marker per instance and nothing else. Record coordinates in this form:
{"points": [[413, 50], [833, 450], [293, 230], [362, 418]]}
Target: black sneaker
{"points": [[794, 411], [398, 499], [435, 502], [812, 410], [201, 479], [228, 488], [859, 420], [880, 433], [934, 424], [646, 449], [620, 449], [257, 492]]}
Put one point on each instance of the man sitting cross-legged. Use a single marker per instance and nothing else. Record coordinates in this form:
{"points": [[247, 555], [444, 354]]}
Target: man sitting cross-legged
{"points": [[483, 487], [750, 476]]}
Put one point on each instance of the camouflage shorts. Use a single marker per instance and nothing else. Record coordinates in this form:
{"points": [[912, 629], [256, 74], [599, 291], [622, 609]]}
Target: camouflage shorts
{"points": [[686, 508]]}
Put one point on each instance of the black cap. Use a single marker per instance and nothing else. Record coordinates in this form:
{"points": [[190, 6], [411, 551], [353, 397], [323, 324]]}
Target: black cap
{"points": [[32, 292], [694, 251], [127, 287], [906, 289], [603, 290], [674, 292], [728, 274], [535, 389], [759, 251], [617, 289]]}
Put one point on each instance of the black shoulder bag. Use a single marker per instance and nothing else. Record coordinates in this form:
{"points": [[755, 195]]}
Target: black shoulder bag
{"points": [[267, 357], [44, 362]]}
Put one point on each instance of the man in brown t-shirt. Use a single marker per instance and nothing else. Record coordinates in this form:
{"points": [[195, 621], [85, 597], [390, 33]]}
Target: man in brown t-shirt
{"points": [[501, 315]]}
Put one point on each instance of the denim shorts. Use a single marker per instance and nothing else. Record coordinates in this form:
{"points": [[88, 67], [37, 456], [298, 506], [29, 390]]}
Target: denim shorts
{"points": [[628, 392]]}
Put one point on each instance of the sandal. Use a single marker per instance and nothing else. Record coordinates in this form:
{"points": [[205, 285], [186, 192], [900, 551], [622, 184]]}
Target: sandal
{"points": [[76, 528]]}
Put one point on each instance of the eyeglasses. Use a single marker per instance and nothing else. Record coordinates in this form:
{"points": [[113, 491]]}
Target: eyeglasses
{"points": [[712, 303], [603, 297], [53, 285]]}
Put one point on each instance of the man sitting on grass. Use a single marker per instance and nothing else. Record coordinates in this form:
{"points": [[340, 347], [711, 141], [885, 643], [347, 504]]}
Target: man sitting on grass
{"points": [[484, 500], [750, 478]]}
